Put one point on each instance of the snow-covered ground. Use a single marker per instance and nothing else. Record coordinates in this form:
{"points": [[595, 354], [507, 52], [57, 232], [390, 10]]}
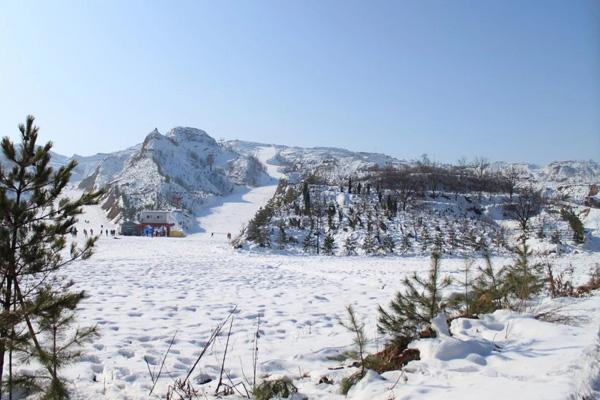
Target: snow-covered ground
{"points": [[144, 291]]}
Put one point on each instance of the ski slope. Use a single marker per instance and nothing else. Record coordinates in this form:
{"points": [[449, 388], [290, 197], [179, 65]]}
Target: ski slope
{"points": [[233, 211]]}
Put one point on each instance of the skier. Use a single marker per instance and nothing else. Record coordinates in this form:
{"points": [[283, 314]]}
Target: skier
{"points": [[85, 232]]}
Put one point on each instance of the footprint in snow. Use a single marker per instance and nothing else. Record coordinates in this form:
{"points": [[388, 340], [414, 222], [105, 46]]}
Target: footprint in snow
{"points": [[126, 353], [135, 314]]}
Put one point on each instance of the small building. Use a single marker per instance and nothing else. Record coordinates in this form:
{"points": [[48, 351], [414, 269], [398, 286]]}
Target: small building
{"points": [[155, 223], [155, 217]]}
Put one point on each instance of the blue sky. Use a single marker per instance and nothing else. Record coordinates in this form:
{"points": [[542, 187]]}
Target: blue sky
{"points": [[506, 80]]}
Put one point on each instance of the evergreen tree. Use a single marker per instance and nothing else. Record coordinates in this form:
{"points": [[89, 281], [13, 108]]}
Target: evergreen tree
{"points": [[309, 242], [575, 224], [438, 242], [464, 301], [425, 238], [35, 221], [330, 215], [257, 230], [328, 244], [360, 339], [55, 315], [524, 279], [281, 237], [499, 238], [406, 243], [369, 243], [489, 288], [306, 198], [350, 245], [387, 244], [413, 309], [452, 238]]}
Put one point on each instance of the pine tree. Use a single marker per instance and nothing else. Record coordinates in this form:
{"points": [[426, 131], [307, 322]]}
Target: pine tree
{"points": [[358, 330], [387, 244], [257, 230], [464, 301], [309, 242], [575, 224], [350, 245], [524, 279], [306, 198], [452, 239], [438, 242], [35, 221], [281, 237], [55, 314], [425, 238], [328, 244], [489, 288], [499, 238], [415, 307], [330, 215], [369, 243], [406, 243]]}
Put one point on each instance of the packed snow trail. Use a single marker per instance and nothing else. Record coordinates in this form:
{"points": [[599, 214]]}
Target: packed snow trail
{"points": [[233, 211]]}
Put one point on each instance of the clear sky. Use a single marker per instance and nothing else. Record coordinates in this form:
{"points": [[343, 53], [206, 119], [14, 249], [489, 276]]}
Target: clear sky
{"points": [[506, 80]]}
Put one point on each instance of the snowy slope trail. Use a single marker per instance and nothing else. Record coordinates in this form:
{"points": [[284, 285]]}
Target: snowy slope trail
{"points": [[233, 211]]}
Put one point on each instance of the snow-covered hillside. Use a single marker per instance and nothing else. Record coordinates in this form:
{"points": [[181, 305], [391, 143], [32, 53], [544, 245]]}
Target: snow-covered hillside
{"points": [[186, 168], [327, 163]]}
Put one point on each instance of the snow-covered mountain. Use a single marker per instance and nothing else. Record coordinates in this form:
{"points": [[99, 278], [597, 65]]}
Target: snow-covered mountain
{"points": [[186, 168], [571, 171], [183, 169], [327, 163]]}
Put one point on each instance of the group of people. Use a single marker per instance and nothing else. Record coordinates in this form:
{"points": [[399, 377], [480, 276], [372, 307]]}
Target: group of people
{"points": [[103, 231], [158, 231], [212, 234]]}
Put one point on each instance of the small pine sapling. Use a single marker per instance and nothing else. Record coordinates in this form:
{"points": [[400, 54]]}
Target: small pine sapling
{"points": [[55, 315], [360, 342], [524, 279], [413, 309], [489, 288]]}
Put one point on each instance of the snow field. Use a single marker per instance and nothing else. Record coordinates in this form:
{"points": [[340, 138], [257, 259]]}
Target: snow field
{"points": [[144, 290]]}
